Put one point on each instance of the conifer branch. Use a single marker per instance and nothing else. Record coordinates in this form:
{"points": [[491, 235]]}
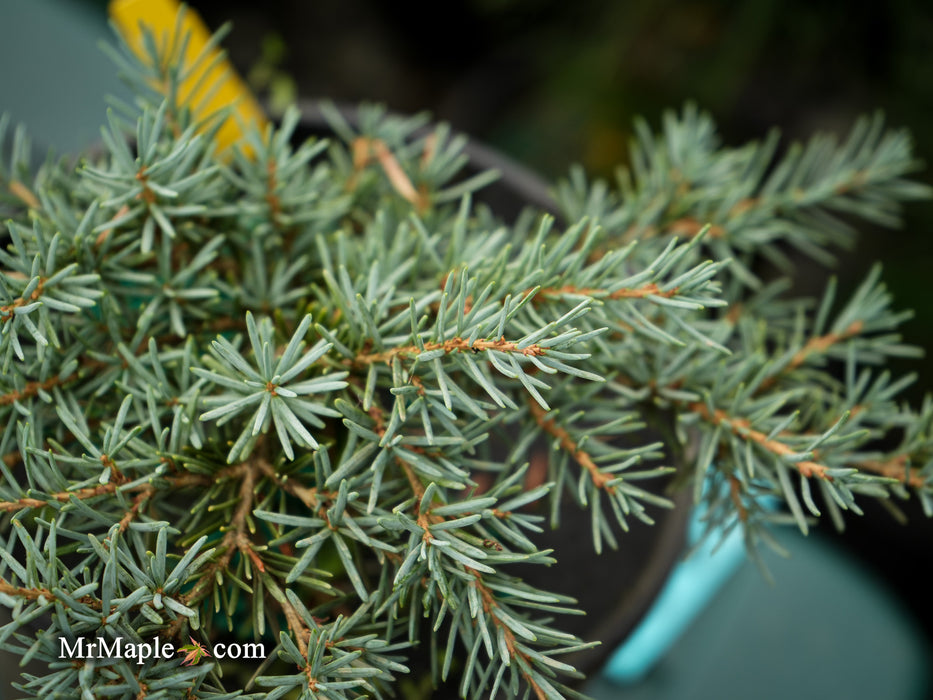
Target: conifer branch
{"points": [[490, 606], [31, 389], [735, 495], [647, 290], [365, 149], [742, 428], [118, 483], [18, 189], [254, 349], [8, 311], [234, 539], [599, 479], [815, 346], [896, 468], [449, 346]]}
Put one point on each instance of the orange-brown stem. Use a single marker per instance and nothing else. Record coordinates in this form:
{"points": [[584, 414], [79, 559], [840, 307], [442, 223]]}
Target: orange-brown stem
{"points": [[7, 311], [735, 494], [895, 468], [23, 193], [365, 149], [816, 345], [489, 607], [448, 346], [742, 428], [234, 539], [646, 290], [583, 458], [176, 482]]}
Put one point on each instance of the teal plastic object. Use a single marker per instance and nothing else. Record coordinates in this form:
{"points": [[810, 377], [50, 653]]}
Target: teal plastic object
{"points": [[825, 629], [719, 631], [691, 586], [55, 77]]}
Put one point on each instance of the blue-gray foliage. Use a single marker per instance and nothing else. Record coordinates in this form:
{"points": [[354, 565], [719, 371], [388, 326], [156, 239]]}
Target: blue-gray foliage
{"points": [[277, 395]]}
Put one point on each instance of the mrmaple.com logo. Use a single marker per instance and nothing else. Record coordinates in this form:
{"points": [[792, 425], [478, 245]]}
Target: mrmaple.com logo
{"points": [[140, 652]]}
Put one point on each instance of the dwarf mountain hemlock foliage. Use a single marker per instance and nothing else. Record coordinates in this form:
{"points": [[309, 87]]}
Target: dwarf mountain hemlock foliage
{"points": [[252, 395]]}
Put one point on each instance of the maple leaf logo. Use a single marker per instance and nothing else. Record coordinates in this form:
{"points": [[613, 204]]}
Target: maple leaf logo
{"points": [[194, 652]]}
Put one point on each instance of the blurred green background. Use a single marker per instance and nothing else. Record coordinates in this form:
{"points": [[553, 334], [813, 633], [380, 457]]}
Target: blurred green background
{"points": [[555, 82]]}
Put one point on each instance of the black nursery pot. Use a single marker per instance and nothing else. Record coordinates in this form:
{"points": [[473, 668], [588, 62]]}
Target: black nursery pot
{"points": [[617, 587]]}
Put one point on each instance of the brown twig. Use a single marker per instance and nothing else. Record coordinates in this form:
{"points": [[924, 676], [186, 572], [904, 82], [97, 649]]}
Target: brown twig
{"points": [[7, 311], [103, 235], [735, 494], [430, 149], [489, 607], [895, 468], [293, 620], [9, 589], [24, 194], [365, 149], [821, 344], [582, 457], [314, 498], [111, 487], [448, 346], [816, 345], [138, 503], [425, 520], [690, 227], [28, 593], [742, 428], [31, 389], [646, 290], [234, 539]]}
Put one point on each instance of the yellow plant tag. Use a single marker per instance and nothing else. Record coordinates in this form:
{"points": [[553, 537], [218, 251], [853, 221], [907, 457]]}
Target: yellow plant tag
{"points": [[213, 84]]}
